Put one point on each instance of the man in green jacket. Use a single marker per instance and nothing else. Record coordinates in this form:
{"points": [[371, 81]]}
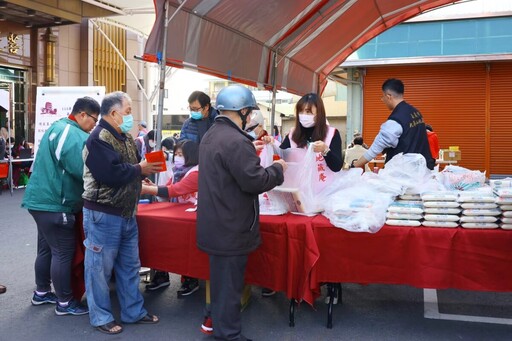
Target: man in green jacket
{"points": [[53, 197]]}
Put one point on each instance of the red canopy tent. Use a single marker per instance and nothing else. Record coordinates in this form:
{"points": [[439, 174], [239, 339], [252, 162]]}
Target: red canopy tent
{"points": [[238, 40]]}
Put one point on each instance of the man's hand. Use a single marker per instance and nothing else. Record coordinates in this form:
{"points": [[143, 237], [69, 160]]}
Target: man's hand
{"points": [[267, 139], [148, 168], [258, 145], [282, 163]]}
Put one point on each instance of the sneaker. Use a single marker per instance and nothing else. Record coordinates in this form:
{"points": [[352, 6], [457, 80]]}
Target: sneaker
{"points": [[189, 286], [73, 308], [48, 298], [266, 292], [160, 280], [207, 326]]}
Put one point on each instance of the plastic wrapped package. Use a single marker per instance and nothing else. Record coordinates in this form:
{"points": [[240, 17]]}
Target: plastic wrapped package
{"points": [[478, 219], [479, 225], [441, 204], [406, 216], [506, 220], [430, 223], [443, 210], [439, 196], [460, 178], [406, 207], [506, 226], [403, 222], [357, 209], [507, 214], [479, 205], [442, 217], [408, 170], [503, 192], [488, 211]]}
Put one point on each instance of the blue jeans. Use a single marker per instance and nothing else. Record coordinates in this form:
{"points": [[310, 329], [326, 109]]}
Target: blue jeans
{"points": [[112, 242]]}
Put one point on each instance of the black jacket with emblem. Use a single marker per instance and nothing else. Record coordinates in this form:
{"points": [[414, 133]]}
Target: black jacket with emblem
{"points": [[230, 180]]}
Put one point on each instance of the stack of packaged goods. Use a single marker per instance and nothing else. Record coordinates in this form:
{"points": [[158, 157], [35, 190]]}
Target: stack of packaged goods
{"points": [[479, 210], [503, 191], [407, 211], [441, 209]]}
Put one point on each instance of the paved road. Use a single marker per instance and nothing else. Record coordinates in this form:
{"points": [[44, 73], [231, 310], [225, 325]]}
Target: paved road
{"points": [[371, 312]]}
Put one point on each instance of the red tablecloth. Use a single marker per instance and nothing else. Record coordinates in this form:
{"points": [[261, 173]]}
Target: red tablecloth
{"points": [[440, 258], [167, 241], [298, 253]]}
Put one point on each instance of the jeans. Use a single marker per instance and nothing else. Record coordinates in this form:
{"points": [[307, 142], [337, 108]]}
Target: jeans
{"points": [[112, 242], [56, 237]]}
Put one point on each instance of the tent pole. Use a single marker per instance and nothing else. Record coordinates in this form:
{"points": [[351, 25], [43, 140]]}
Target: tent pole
{"points": [[163, 64], [274, 91]]}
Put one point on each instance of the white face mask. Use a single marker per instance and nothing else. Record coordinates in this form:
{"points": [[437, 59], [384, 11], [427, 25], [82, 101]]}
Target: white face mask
{"points": [[307, 121], [152, 144], [179, 161]]}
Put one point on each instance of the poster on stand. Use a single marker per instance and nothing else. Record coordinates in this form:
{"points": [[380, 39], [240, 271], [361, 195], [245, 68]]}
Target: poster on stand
{"points": [[56, 102]]}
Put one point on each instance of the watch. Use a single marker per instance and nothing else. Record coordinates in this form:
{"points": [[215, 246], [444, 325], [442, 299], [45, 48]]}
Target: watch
{"points": [[325, 152]]}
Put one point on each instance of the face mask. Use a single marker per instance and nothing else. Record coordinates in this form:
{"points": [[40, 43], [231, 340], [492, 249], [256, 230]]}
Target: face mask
{"points": [[127, 124], [252, 134], [307, 121], [196, 115], [152, 144], [179, 161]]}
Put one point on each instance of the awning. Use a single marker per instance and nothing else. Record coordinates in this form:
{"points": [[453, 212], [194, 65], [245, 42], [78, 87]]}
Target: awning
{"points": [[236, 39]]}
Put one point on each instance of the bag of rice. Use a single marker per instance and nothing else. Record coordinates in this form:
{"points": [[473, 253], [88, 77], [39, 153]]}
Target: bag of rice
{"points": [[506, 226], [478, 219], [474, 197], [406, 216], [405, 207], [439, 196], [442, 210], [442, 204], [506, 220], [429, 223], [479, 225], [400, 222], [478, 205], [507, 214], [410, 197], [506, 207], [489, 211], [503, 201], [503, 192], [442, 217]]}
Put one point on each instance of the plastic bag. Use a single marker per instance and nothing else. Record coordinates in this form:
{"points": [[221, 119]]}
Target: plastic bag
{"points": [[270, 204], [460, 178], [358, 209]]}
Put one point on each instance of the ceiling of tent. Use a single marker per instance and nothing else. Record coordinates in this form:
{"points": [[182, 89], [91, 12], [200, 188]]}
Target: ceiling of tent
{"points": [[237, 40]]}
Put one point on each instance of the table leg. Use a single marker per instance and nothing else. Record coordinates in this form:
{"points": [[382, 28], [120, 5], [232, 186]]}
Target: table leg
{"points": [[292, 313]]}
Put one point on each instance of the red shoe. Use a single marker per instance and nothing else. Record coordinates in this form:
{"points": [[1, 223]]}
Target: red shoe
{"points": [[207, 326]]}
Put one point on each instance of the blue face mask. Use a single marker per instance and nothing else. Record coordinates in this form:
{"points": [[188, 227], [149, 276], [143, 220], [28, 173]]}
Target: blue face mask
{"points": [[196, 115], [127, 124], [252, 134]]}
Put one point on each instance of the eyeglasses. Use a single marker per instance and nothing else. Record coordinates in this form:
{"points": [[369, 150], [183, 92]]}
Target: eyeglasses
{"points": [[195, 109], [94, 118]]}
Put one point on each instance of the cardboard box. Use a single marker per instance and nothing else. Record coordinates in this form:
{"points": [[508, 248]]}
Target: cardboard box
{"points": [[449, 155]]}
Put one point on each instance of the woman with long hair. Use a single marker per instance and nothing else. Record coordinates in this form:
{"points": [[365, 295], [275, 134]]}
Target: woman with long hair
{"points": [[311, 128]]}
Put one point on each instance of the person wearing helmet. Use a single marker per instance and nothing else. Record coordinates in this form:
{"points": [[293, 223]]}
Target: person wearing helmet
{"points": [[228, 209]]}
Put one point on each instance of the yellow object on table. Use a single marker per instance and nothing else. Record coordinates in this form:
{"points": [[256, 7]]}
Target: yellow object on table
{"points": [[453, 148]]}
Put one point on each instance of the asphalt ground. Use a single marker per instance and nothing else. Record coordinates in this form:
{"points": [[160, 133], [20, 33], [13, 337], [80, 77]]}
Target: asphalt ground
{"points": [[368, 312]]}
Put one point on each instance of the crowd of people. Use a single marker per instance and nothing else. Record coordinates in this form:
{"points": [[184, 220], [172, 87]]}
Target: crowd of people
{"points": [[90, 171]]}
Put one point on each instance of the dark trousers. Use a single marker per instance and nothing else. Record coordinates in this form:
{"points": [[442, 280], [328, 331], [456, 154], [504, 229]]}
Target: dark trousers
{"points": [[226, 285], [55, 252]]}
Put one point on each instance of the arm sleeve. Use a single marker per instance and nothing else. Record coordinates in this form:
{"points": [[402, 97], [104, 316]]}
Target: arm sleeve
{"points": [[106, 166], [390, 132], [187, 185], [333, 158], [244, 166]]}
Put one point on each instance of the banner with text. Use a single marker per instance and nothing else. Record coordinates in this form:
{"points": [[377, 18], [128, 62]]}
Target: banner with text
{"points": [[56, 102]]}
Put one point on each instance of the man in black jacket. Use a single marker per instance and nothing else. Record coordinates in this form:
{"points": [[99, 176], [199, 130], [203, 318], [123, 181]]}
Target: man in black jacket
{"points": [[228, 209]]}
